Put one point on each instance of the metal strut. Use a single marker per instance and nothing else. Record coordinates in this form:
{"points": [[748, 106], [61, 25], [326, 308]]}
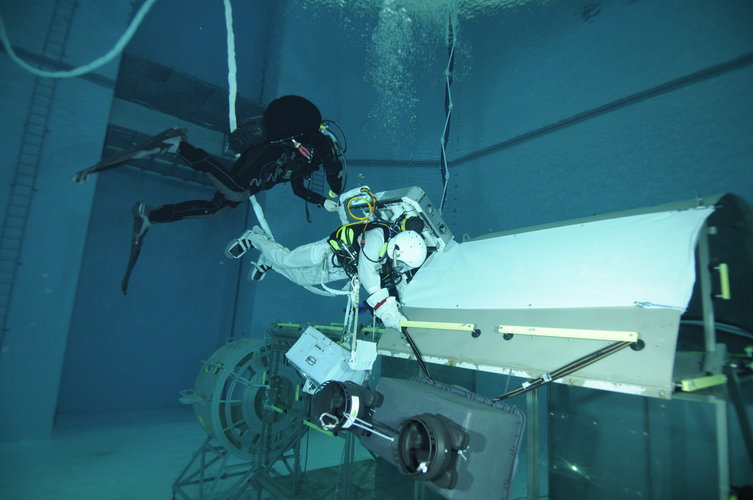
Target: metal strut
{"points": [[565, 370]]}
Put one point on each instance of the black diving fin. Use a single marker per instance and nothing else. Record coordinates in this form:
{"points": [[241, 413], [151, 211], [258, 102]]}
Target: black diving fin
{"points": [[143, 149], [141, 226]]}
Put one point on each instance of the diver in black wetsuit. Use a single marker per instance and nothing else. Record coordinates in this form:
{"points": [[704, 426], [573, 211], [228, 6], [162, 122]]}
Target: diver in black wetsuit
{"points": [[258, 168], [285, 144]]}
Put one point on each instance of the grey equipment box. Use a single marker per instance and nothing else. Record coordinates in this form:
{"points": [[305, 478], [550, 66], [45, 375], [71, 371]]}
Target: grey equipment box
{"points": [[495, 431]]}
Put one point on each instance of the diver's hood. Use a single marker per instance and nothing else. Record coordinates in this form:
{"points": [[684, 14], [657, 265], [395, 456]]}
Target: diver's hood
{"points": [[291, 116]]}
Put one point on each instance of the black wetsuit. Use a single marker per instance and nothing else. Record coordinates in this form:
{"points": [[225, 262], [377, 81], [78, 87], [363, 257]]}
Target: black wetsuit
{"points": [[257, 169]]}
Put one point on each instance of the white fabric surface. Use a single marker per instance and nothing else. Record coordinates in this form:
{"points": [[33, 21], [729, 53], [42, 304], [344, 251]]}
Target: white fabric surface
{"points": [[645, 260]]}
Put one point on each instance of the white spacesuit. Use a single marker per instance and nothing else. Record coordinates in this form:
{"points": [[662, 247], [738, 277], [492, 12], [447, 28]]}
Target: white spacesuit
{"points": [[317, 263]]}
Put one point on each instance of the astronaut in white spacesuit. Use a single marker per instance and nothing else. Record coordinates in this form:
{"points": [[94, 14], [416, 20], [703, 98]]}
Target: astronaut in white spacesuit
{"points": [[384, 256]]}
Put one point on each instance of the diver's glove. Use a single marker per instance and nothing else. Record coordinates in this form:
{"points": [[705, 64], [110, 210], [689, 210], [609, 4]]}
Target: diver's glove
{"points": [[385, 308], [330, 206]]}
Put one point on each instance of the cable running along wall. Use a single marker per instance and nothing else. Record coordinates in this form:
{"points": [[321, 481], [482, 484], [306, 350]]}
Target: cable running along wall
{"points": [[451, 37]]}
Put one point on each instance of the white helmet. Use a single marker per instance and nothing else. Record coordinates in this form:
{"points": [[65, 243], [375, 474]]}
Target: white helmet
{"points": [[407, 249]]}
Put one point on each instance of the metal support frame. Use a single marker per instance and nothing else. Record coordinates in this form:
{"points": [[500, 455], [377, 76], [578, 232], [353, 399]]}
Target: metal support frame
{"points": [[736, 395], [710, 388], [722, 446], [532, 431], [722, 437], [711, 363], [198, 480], [213, 473], [704, 274], [344, 485]]}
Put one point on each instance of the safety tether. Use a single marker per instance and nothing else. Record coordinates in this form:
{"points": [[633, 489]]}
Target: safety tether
{"points": [[232, 96], [87, 68]]}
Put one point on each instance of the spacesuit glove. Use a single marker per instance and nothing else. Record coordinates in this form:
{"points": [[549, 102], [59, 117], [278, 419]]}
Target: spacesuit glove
{"points": [[390, 315], [385, 308], [330, 206]]}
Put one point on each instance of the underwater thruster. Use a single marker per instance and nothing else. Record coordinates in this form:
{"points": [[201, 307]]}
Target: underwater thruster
{"points": [[424, 447], [422, 428], [427, 447], [462, 444]]}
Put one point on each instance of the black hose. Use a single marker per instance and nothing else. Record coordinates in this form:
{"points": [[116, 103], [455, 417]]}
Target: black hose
{"points": [[417, 353]]}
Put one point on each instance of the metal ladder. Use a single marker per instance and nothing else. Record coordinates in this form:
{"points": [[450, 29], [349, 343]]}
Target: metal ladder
{"points": [[29, 157]]}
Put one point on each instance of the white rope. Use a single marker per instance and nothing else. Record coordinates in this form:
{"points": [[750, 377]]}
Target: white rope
{"points": [[232, 80], [316, 291], [327, 292], [334, 292], [97, 63], [260, 216], [232, 83]]}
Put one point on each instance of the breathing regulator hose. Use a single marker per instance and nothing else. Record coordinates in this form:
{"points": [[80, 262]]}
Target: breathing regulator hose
{"points": [[369, 203]]}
